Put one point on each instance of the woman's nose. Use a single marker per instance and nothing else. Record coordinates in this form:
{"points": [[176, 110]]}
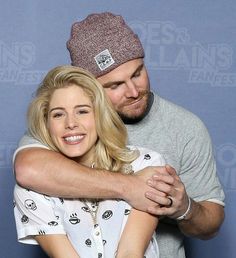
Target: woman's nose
{"points": [[71, 122]]}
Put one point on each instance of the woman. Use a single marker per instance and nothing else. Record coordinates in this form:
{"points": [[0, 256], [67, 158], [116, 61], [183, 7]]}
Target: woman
{"points": [[71, 114]]}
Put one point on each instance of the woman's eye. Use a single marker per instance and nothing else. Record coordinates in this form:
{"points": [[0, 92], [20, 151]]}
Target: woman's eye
{"points": [[82, 111], [57, 115]]}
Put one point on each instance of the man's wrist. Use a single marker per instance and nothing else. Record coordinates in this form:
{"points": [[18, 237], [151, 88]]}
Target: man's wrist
{"points": [[124, 187], [187, 212], [120, 186]]}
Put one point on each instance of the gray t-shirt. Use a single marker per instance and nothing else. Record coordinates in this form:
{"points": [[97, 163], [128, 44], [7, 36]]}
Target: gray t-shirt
{"points": [[184, 142]]}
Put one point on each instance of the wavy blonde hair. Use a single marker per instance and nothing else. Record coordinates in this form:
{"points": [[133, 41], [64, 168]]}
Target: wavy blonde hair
{"points": [[111, 152]]}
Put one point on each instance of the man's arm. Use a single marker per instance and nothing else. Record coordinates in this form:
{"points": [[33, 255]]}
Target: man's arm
{"points": [[197, 178], [57, 246], [203, 219], [53, 174]]}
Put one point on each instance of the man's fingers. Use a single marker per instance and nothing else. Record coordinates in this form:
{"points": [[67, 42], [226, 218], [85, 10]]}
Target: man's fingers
{"points": [[171, 171], [165, 178], [162, 199]]}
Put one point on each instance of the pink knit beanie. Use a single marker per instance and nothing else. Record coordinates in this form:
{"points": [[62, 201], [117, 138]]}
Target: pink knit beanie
{"points": [[102, 42]]}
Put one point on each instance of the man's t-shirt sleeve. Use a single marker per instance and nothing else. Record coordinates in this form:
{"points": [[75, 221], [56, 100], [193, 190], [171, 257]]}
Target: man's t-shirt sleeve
{"points": [[28, 141]]}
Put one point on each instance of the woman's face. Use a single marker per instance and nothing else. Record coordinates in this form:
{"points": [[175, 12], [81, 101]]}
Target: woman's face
{"points": [[71, 124]]}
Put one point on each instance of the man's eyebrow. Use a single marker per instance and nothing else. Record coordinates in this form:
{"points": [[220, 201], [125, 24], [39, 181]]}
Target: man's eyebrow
{"points": [[109, 84], [139, 68]]}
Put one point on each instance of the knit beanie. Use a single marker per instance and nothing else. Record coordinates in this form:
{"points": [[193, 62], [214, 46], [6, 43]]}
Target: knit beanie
{"points": [[102, 42]]}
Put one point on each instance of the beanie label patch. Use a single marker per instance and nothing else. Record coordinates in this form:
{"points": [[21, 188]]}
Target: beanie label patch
{"points": [[104, 59]]}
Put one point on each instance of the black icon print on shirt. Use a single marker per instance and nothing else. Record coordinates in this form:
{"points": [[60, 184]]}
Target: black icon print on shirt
{"points": [[24, 219], [30, 204], [74, 219], [88, 242], [147, 156], [127, 212], [107, 214], [84, 208], [52, 223], [61, 200], [93, 208]]}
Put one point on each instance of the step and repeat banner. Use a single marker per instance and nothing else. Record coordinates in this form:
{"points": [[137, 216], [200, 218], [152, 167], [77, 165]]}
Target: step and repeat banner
{"points": [[190, 55]]}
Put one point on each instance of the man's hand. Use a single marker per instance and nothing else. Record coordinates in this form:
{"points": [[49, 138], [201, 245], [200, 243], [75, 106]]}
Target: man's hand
{"points": [[170, 195], [134, 191], [203, 219]]}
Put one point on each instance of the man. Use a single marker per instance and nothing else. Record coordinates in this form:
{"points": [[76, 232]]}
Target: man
{"points": [[188, 196]]}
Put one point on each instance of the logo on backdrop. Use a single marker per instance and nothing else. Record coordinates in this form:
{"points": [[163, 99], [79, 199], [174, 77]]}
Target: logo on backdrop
{"points": [[16, 59], [168, 47], [226, 162]]}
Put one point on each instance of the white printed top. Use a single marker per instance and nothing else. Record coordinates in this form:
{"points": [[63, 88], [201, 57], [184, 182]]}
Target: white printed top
{"points": [[37, 214]]}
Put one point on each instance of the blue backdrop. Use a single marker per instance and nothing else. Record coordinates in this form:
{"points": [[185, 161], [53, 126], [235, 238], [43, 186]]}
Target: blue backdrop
{"points": [[190, 55]]}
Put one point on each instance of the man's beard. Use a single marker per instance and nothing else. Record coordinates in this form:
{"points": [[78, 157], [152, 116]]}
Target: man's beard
{"points": [[135, 119]]}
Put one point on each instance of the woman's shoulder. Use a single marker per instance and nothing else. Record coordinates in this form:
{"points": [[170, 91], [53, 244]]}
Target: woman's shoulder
{"points": [[146, 158]]}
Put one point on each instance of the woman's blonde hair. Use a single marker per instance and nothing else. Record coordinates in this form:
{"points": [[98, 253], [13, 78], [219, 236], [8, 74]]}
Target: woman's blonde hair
{"points": [[111, 152]]}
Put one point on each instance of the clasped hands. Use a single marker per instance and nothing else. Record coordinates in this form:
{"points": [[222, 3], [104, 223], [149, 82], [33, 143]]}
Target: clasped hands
{"points": [[166, 191]]}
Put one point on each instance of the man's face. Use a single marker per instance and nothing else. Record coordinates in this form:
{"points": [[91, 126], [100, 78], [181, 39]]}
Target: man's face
{"points": [[128, 88]]}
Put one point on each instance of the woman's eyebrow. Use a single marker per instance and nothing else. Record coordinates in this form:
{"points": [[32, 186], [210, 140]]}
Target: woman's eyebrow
{"points": [[77, 106]]}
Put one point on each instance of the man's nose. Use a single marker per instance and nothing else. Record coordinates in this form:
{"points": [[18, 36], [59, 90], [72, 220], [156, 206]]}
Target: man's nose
{"points": [[131, 89]]}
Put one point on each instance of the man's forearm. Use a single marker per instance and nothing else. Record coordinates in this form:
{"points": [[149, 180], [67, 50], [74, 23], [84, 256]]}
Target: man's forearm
{"points": [[203, 221], [50, 173]]}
